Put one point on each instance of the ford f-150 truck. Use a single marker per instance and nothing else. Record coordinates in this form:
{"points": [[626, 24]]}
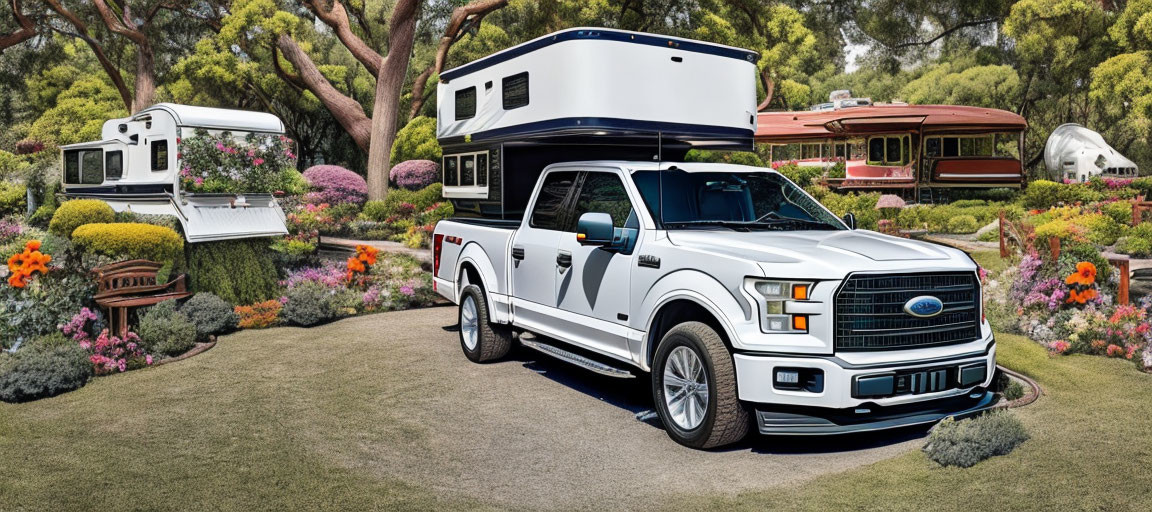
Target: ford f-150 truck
{"points": [[742, 298]]}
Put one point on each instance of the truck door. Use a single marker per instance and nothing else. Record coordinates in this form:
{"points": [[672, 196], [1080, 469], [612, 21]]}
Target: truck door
{"points": [[592, 283], [534, 251]]}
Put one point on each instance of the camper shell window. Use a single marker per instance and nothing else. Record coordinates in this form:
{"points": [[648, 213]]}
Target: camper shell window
{"points": [[466, 103], [515, 91], [960, 146], [114, 165], [160, 155], [466, 175], [84, 166], [890, 150]]}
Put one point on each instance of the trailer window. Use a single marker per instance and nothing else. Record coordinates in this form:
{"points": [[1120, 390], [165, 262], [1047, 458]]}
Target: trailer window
{"points": [[950, 146], [451, 171], [160, 155], [482, 170], [515, 91], [72, 166], [466, 103], [876, 150], [842, 151], [892, 154], [92, 167], [114, 165], [548, 213], [932, 147]]}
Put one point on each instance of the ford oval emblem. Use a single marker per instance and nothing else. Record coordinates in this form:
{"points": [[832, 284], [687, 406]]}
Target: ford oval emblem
{"points": [[923, 306]]}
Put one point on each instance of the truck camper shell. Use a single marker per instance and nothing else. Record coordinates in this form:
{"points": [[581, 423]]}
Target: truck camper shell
{"points": [[135, 167], [585, 94]]}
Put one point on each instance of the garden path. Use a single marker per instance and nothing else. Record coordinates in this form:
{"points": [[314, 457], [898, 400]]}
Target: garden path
{"points": [[424, 255]]}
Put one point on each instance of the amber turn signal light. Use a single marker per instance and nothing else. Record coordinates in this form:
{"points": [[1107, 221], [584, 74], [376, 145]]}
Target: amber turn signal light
{"points": [[800, 323], [800, 292]]}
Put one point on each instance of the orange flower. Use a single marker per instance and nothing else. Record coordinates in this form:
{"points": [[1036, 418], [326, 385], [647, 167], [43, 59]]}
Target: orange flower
{"points": [[32, 245], [367, 254], [355, 265], [1085, 274], [16, 280]]}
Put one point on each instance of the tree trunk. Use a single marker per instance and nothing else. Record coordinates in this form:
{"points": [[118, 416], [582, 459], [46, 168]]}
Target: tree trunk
{"points": [[401, 38], [348, 112], [335, 16], [769, 89], [145, 93]]}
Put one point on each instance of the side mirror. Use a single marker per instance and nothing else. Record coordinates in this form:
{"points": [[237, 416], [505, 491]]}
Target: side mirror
{"points": [[850, 220], [594, 228]]}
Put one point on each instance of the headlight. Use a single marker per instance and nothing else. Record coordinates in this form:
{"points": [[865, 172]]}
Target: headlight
{"points": [[775, 294]]}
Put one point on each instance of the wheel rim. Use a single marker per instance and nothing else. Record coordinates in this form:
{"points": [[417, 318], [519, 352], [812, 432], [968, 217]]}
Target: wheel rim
{"points": [[469, 323], [685, 388]]}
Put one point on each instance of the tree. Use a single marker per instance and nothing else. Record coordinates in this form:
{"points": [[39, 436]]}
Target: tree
{"points": [[978, 86], [1122, 85], [465, 19]]}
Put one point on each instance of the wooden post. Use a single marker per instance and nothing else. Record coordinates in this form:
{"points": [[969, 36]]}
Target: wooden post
{"points": [[1122, 265], [1054, 246], [1003, 246]]}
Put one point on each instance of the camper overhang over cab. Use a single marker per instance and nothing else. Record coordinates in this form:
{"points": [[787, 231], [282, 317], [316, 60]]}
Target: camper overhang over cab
{"points": [[136, 164], [582, 94]]}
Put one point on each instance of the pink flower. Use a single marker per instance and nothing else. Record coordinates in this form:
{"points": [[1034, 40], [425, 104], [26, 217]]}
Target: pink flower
{"points": [[257, 161], [220, 146], [148, 359], [407, 290]]}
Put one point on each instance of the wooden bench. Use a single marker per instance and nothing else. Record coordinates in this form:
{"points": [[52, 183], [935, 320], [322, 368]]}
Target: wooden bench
{"points": [[131, 284]]}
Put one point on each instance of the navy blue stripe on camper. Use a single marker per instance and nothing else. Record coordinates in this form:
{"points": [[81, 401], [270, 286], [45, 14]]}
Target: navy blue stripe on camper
{"points": [[687, 45], [612, 126]]}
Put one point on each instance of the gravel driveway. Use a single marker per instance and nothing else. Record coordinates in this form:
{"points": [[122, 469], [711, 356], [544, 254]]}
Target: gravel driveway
{"points": [[531, 431]]}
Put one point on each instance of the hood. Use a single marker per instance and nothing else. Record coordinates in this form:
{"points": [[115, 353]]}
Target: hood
{"points": [[838, 252]]}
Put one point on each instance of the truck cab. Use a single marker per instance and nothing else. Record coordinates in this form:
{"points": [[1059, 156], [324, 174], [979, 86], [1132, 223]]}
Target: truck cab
{"points": [[582, 233]]}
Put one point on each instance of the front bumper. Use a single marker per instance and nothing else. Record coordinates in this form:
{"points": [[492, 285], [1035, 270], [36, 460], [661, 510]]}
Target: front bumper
{"points": [[846, 400], [820, 421]]}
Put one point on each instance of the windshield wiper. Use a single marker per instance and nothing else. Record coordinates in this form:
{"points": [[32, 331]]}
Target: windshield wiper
{"points": [[730, 224], [773, 218]]}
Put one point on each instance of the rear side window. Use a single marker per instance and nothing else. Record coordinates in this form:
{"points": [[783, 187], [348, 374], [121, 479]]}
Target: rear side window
{"points": [[515, 91], [466, 103], [549, 211], [160, 155], [114, 165], [72, 166], [876, 149], [451, 171], [602, 192], [92, 167]]}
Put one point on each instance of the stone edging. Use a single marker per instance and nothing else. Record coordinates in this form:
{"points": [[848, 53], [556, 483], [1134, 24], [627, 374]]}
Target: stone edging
{"points": [[200, 348], [1028, 398]]}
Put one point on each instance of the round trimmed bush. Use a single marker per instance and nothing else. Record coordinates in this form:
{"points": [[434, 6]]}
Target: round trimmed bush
{"points": [[165, 330], [335, 185], [210, 314], [46, 367], [308, 304], [963, 224], [130, 241], [78, 212], [417, 141], [415, 174]]}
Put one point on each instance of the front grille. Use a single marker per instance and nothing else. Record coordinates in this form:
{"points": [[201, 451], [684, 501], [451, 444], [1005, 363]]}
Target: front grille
{"points": [[870, 315]]}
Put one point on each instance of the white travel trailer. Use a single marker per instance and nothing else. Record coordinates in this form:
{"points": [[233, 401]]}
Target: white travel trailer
{"points": [[1076, 153], [625, 95], [135, 167]]}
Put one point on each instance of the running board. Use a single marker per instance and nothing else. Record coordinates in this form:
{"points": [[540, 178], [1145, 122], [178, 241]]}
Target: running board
{"points": [[577, 359]]}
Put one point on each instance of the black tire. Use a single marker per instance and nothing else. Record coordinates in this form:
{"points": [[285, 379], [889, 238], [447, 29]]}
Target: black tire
{"points": [[725, 419], [492, 340]]}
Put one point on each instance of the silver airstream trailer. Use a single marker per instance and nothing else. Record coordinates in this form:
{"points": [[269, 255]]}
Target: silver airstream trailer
{"points": [[135, 167]]}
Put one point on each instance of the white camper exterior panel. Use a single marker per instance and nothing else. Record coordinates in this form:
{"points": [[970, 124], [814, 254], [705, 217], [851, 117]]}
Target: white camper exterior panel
{"points": [[596, 79], [1076, 153]]}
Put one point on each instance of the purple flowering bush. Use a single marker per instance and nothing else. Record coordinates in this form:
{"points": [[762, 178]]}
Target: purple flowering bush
{"points": [[415, 174], [394, 282], [220, 163], [335, 185]]}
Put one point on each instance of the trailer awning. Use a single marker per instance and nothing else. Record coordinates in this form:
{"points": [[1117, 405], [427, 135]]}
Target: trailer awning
{"points": [[208, 218], [788, 127]]}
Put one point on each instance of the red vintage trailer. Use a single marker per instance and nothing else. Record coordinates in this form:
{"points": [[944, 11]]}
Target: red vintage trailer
{"points": [[905, 148]]}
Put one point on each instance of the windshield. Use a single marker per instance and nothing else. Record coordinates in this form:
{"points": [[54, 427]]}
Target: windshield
{"points": [[732, 200]]}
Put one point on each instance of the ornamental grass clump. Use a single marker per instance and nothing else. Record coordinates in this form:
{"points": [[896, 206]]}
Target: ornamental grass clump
{"points": [[967, 442], [415, 174], [78, 212], [308, 304], [335, 185], [210, 314], [164, 330]]}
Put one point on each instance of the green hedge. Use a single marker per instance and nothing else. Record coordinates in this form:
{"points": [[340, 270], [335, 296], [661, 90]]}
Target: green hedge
{"points": [[130, 241], [79, 212], [1044, 194], [238, 271], [382, 209], [13, 199]]}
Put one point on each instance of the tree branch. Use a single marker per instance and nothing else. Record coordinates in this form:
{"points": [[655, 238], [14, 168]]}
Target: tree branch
{"points": [[945, 33], [24, 33], [336, 16], [83, 34], [463, 18], [348, 112], [122, 25]]}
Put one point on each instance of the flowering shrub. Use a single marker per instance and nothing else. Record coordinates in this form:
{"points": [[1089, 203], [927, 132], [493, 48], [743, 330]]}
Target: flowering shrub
{"points": [[360, 263], [82, 326], [415, 174], [112, 354], [221, 163], [259, 315], [1082, 283], [21, 266], [335, 185], [9, 230]]}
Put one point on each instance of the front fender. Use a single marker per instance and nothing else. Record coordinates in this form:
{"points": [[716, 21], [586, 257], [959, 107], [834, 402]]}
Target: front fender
{"points": [[697, 287]]}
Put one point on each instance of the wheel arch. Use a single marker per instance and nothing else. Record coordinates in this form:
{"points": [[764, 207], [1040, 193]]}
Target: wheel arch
{"points": [[474, 267], [707, 301]]}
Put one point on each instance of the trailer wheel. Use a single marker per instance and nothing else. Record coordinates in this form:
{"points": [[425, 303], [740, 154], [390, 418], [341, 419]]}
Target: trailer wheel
{"points": [[482, 341], [694, 388]]}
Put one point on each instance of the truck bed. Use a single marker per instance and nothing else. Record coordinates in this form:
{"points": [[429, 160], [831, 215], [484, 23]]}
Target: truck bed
{"points": [[487, 242]]}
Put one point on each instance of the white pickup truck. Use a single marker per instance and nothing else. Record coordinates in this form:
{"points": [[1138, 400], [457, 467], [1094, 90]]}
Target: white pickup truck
{"points": [[742, 297]]}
